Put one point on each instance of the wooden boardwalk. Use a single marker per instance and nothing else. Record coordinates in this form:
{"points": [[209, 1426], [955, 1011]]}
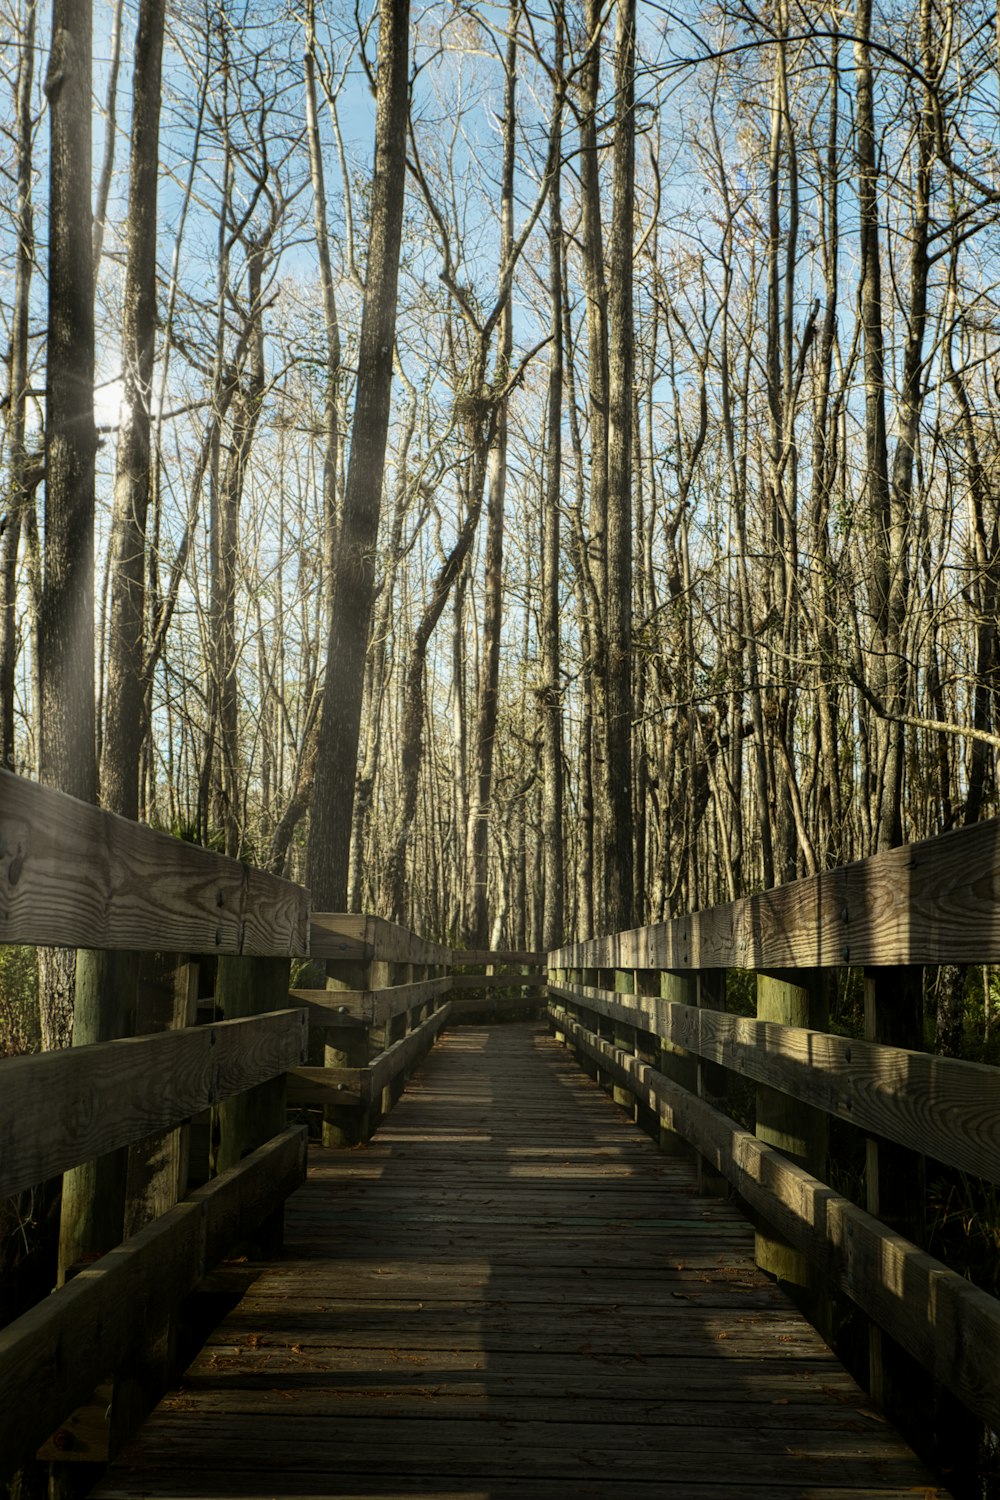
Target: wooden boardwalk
{"points": [[511, 1292]]}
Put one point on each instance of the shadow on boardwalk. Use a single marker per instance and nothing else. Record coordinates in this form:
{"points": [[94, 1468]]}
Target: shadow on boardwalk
{"points": [[510, 1292]]}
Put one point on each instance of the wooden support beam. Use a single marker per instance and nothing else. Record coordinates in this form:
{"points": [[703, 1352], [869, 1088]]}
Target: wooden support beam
{"points": [[249, 987], [624, 1037], [60, 1108], [360, 1085], [795, 1000], [347, 1119], [374, 1007], [675, 1060], [75, 876], [496, 981], [402, 1054], [53, 1357], [393, 944], [710, 1081], [336, 1087], [949, 1326], [465, 957], [92, 1209], [930, 902], [340, 937], [943, 1106], [895, 1179]]}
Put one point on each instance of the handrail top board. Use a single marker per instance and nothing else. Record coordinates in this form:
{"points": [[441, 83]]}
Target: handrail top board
{"points": [[461, 957], [75, 875], [934, 901], [372, 1006], [350, 935]]}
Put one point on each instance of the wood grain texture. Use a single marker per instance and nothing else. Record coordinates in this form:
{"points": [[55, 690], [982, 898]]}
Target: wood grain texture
{"points": [[328, 1019], [939, 1106], [344, 935], [386, 1004], [58, 1109], [349, 1086], [52, 1358], [334, 1086], [936, 901], [948, 1325], [500, 957], [74, 876], [398, 945], [404, 1053], [339, 936], [495, 1005], [497, 981], [510, 1293], [376, 1006]]}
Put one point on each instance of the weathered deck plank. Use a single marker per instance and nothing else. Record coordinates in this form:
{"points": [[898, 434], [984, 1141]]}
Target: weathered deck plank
{"points": [[510, 1292]]}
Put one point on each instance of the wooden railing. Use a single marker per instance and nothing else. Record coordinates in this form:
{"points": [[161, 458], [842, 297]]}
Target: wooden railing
{"points": [[195, 1106], [646, 1011]]}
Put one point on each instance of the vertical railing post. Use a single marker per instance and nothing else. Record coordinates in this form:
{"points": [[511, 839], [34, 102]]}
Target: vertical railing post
{"points": [[600, 979], [382, 1036], [347, 1125], [624, 1038], [92, 1214], [792, 998], [568, 979], [894, 1176], [647, 1044], [675, 1062], [251, 987], [401, 1026], [710, 994], [166, 1000]]}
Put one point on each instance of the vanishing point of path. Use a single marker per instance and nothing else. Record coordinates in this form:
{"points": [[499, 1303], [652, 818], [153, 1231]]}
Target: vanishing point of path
{"points": [[511, 1293]]}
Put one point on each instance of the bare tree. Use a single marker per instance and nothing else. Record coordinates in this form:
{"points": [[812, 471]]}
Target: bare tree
{"points": [[353, 593]]}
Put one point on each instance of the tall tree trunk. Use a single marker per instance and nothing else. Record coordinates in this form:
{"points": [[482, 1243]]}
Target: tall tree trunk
{"points": [[829, 833], [617, 800], [110, 135], [459, 746], [480, 427], [66, 628], [354, 580], [67, 755], [21, 493], [553, 918], [595, 556], [379, 665], [489, 661], [885, 667], [245, 416], [126, 695], [331, 322]]}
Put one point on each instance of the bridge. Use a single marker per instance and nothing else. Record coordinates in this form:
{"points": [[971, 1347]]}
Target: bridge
{"points": [[491, 1223]]}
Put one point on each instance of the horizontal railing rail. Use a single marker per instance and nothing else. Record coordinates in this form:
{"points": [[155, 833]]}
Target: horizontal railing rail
{"points": [[932, 902], [951, 1327], [75, 876], [940, 1106], [53, 1356], [198, 1100], [111, 1094], [645, 1012]]}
